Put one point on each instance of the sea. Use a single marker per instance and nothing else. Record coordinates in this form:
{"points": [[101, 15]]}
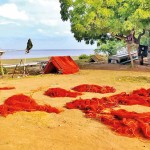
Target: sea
{"points": [[37, 53]]}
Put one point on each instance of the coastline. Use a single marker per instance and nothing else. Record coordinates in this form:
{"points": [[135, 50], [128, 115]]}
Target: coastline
{"points": [[29, 60], [16, 61]]}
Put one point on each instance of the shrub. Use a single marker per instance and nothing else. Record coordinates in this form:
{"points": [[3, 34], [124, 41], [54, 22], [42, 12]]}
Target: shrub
{"points": [[83, 56]]}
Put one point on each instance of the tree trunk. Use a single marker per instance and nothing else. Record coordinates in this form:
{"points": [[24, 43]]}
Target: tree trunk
{"points": [[130, 56]]}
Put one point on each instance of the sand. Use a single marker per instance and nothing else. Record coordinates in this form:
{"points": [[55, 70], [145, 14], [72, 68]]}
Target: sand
{"points": [[69, 130]]}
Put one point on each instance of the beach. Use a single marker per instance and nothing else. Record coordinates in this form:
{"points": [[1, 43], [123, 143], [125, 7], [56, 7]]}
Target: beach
{"points": [[70, 129], [75, 75]]}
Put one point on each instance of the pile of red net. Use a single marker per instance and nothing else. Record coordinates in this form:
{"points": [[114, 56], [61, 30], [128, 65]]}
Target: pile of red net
{"points": [[61, 64], [94, 88], [123, 122], [59, 92], [23, 103], [137, 97], [126, 123], [7, 88]]}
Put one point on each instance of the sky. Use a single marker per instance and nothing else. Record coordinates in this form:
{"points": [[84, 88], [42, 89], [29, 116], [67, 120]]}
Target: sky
{"points": [[39, 20]]}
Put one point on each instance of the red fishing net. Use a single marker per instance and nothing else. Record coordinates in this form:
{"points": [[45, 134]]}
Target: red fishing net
{"points": [[126, 123], [7, 88], [59, 92], [94, 88], [22, 102], [61, 64]]}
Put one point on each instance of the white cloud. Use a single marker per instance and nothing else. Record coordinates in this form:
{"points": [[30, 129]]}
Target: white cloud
{"points": [[57, 33], [50, 22], [44, 32], [8, 22], [63, 33], [44, 16], [67, 32], [41, 12], [38, 19], [11, 11], [53, 3]]}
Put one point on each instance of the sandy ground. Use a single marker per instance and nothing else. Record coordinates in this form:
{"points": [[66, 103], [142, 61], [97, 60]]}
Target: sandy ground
{"points": [[69, 130]]}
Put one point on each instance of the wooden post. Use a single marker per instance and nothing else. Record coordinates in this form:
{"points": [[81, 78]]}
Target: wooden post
{"points": [[2, 71], [25, 61], [18, 65], [148, 58], [24, 67], [129, 52]]}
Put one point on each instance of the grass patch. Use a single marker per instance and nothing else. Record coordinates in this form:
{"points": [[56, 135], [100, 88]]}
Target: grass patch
{"points": [[17, 61], [135, 79]]}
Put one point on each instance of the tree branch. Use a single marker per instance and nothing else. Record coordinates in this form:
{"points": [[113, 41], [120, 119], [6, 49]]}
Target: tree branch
{"points": [[121, 37]]}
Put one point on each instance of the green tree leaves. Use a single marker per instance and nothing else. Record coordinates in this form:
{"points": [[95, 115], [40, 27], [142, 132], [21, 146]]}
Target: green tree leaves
{"points": [[109, 46], [91, 18]]}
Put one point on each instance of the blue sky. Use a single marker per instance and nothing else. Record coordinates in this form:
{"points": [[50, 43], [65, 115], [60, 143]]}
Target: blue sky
{"points": [[38, 20]]}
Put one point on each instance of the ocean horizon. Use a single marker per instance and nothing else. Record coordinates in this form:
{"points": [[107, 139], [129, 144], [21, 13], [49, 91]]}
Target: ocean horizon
{"points": [[37, 53]]}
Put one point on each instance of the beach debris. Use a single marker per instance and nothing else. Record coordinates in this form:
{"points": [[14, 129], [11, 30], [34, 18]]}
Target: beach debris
{"points": [[60, 92], [94, 88], [131, 124], [22, 102], [7, 88]]}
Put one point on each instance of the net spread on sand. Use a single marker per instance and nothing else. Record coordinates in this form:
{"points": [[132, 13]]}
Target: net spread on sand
{"points": [[94, 88], [59, 92], [126, 123], [22, 102], [7, 88]]}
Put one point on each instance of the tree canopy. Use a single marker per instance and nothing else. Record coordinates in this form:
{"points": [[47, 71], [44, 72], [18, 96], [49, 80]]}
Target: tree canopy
{"points": [[91, 19]]}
